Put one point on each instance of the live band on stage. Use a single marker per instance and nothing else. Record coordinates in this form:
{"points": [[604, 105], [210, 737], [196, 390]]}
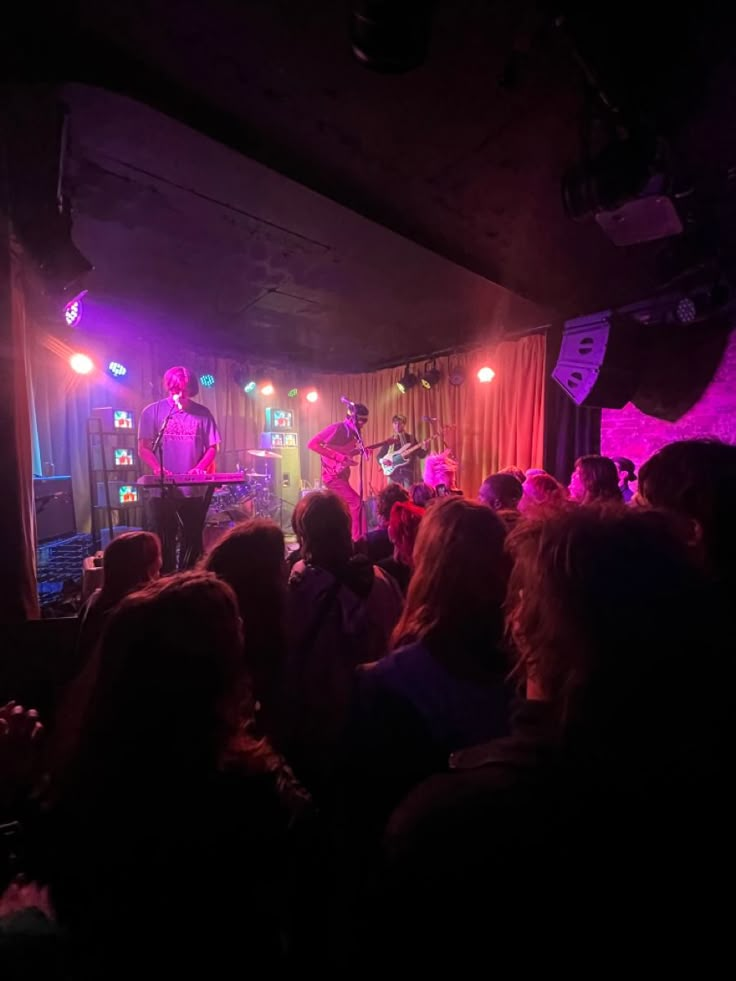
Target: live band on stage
{"points": [[178, 440]]}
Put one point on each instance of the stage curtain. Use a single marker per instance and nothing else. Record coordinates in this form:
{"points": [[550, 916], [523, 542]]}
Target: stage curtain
{"points": [[18, 597], [491, 425]]}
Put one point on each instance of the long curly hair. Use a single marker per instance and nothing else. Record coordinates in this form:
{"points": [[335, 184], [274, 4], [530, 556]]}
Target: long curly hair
{"points": [[403, 527]]}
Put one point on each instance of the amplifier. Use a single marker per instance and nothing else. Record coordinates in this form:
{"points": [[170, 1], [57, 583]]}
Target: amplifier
{"points": [[54, 508]]}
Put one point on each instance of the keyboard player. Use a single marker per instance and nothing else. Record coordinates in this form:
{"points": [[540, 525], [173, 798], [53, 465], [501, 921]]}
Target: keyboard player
{"points": [[189, 445]]}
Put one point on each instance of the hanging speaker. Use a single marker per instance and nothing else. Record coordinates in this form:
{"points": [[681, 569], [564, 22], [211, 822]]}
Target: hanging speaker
{"points": [[598, 364]]}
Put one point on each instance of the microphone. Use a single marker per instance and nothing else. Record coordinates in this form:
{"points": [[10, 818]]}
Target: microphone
{"points": [[177, 400], [429, 418], [346, 401]]}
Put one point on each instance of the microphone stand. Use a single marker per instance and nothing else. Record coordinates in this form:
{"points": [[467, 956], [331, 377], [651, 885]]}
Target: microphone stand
{"points": [[157, 448], [363, 457]]}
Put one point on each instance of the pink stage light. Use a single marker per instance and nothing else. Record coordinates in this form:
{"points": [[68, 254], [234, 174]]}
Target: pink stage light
{"points": [[81, 364], [267, 389], [312, 395], [486, 374]]}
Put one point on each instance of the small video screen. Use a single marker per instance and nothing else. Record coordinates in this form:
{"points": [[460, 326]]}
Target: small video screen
{"points": [[124, 458], [122, 419], [127, 494]]}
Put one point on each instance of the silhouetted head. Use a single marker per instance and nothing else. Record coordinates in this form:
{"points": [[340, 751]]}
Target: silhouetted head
{"points": [[542, 493], [130, 561], [605, 609], [323, 527], [421, 494], [515, 472], [460, 572], [501, 492], [696, 480], [386, 499], [251, 559], [595, 481], [168, 685], [626, 470]]}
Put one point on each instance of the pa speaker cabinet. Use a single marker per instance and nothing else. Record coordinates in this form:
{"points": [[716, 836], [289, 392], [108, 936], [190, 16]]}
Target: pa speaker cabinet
{"points": [[599, 360], [287, 474]]}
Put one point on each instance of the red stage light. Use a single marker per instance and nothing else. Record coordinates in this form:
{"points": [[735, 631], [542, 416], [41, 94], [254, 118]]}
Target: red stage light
{"points": [[312, 395], [486, 374]]}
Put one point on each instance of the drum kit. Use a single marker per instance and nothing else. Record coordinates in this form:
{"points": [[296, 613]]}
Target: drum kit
{"points": [[254, 498]]}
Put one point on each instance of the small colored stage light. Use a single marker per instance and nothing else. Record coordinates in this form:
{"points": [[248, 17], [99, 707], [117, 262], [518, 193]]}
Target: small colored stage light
{"points": [[73, 310], [486, 374], [206, 381], [250, 387], [117, 370], [267, 389], [312, 396], [81, 364], [292, 393]]}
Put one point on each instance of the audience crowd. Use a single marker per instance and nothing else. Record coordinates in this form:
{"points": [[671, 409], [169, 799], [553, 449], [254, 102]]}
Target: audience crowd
{"points": [[491, 730]]}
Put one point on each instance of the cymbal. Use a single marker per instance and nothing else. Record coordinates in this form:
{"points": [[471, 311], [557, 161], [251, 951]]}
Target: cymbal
{"points": [[265, 454], [252, 473]]}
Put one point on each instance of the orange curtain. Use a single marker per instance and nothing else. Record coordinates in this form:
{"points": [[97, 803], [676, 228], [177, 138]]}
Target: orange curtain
{"points": [[493, 425]]}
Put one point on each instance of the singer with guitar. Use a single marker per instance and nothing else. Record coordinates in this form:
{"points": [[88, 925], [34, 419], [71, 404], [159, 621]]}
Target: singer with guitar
{"points": [[400, 469], [339, 446], [185, 434]]}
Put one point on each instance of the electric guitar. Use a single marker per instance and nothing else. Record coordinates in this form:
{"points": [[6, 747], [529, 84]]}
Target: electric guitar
{"points": [[332, 466], [392, 461]]}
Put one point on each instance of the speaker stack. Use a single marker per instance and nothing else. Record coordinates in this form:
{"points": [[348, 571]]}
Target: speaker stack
{"points": [[599, 364]]}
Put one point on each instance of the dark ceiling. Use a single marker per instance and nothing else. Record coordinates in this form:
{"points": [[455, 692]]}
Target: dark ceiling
{"points": [[464, 154]]}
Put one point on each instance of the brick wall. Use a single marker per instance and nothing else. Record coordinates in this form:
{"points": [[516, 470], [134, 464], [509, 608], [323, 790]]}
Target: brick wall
{"points": [[629, 432]]}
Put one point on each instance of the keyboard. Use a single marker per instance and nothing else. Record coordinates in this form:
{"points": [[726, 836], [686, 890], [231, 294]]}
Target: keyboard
{"points": [[192, 479]]}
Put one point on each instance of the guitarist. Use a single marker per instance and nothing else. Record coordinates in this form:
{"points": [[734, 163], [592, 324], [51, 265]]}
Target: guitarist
{"points": [[405, 474], [338, 447]]}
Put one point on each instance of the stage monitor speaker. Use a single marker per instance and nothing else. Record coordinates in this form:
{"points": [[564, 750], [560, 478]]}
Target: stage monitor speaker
{"points": [[54, 508], [599, 364], [288, 475]]}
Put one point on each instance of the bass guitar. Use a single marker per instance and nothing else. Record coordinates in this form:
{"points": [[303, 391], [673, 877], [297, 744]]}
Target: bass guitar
{"points": [[392, 461]]}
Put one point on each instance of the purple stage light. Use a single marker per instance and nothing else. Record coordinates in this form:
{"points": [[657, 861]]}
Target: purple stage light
{"points": [[73, 310]]}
